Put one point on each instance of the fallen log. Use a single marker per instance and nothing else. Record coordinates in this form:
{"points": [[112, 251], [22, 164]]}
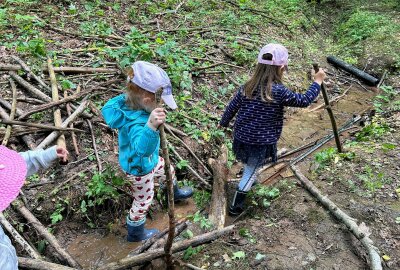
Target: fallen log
{"points": [[18, 238], [67, 99], [35, 264], [12, 112], [84, 70], [52, 136], [218, 205], [33, 90], [356, 230], [9, 67], [55, 98], [26, 138], [30, 73], [8, 106], [63, 255], [175, 130], [71, 125], [47, 127], [179, 228], [176, 247]]}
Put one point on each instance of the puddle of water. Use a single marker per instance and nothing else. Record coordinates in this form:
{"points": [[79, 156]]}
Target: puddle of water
{"points": [[93, 249]]}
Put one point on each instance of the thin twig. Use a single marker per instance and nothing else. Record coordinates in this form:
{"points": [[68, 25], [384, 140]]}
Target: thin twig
{"points": [[73, 135], [14, 122], [12, 112], [94, 145]]}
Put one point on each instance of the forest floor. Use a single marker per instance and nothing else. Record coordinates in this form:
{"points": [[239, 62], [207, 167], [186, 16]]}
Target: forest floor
{"points": [[208, 49]]}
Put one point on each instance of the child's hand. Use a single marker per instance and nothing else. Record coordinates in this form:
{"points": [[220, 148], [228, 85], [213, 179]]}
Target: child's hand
{"points": [[62, 154], [157, 117], [319, 76]]}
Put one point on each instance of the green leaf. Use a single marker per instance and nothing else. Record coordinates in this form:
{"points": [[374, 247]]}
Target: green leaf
{"points": [[67, 84], [238, 255]]}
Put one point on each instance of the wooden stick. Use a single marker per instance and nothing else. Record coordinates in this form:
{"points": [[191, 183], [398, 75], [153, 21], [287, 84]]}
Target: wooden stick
{"points": [[12, 112], [94, 145], [30, 73], [18, 238], [191, 169], [8, 106], [190, 150], [85, 70], [55, 98], [170, 189], [175, 130], [74, 97], [9, 67], [50, 138], [330, 112], [26, 138], [63, 254], [373, 252], [47, 127], [35, 264], [179, 228], [330, 101], [33, 90], [71, 125], [218, 205], [177, 247]]}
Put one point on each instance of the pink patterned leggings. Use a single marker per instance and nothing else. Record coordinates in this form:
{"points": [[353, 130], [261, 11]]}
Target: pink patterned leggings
{"points": [[142, 190]]}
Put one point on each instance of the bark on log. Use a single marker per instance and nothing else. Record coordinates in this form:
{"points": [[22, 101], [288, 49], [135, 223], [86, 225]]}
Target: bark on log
{"points": [[33, 90], [9, 67], [18, 238], [49, 139], [47, 127], [8, 106], [373, 252], [12, 112], [218, 205], [55, 98], [71, 125], [176, 131], [26, 138], [32, 264], [30, 73], [177, 247], [63, 254], [85, 70], [179, 228]]}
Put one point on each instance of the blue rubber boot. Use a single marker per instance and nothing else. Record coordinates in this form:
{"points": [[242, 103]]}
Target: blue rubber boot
{"points": [[182, 193], [137, 232], [237, 205]]}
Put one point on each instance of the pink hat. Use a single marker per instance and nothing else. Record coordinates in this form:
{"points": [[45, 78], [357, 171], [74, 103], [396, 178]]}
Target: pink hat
{"points": [[279, 54], [12, 176]]}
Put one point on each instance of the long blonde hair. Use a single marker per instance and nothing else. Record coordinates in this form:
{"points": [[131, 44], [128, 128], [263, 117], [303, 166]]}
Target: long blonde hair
{"points": [[135, 94], [264, 76]]}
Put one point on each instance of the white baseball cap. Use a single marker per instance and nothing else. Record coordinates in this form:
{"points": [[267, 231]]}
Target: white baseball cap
{"points": [[151, 78]]}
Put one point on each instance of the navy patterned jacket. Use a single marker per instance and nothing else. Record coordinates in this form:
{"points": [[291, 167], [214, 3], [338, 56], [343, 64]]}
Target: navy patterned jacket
{"points": [[259, 122]]}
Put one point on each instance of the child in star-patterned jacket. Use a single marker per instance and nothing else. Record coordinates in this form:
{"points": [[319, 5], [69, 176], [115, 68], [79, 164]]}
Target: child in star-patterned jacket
{"points": [[137, 118], [259, 105]]}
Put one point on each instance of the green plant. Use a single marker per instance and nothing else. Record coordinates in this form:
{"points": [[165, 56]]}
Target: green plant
{"points": [[204, 223], [182, 164], [201, 198], [329, 155], [34, 178], [262, 195], [371, 180], [246, 233], [57, 216], [35, 46], [190, 251], [238, 255], [376, 129]]}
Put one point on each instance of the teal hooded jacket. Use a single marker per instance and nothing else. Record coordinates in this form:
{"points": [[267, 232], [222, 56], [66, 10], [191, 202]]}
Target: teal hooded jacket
{"points": [[138, 144]]}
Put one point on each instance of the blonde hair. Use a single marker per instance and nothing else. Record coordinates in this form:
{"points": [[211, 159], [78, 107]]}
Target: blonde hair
{"points": [[263, 77], [135, 94]]}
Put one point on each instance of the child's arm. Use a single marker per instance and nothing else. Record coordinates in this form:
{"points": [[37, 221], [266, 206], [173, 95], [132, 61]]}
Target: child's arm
{"points": [[37, 159], [112, 112], [232, 109], [289, 98], [144, 142]]}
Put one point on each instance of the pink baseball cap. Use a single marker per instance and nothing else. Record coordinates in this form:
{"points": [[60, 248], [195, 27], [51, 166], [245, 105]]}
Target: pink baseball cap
{"points": [[151, 78], [12, 175], [279, 54]]}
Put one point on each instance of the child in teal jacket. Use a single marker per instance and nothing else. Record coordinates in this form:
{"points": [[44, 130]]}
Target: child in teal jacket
{"points": [[137, 119]]}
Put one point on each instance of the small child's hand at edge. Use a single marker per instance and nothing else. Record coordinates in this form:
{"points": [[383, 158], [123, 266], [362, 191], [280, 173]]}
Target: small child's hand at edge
{"points": [[62, 153], [319, 76]]}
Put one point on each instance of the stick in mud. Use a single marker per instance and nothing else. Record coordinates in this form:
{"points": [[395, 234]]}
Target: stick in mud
{"points": [[36, 264], [62, 253], [373, 252], [176, 247], [19, 239]]}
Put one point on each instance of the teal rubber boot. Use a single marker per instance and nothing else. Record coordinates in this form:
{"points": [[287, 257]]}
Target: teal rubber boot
{"points": [[137, 232]]}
